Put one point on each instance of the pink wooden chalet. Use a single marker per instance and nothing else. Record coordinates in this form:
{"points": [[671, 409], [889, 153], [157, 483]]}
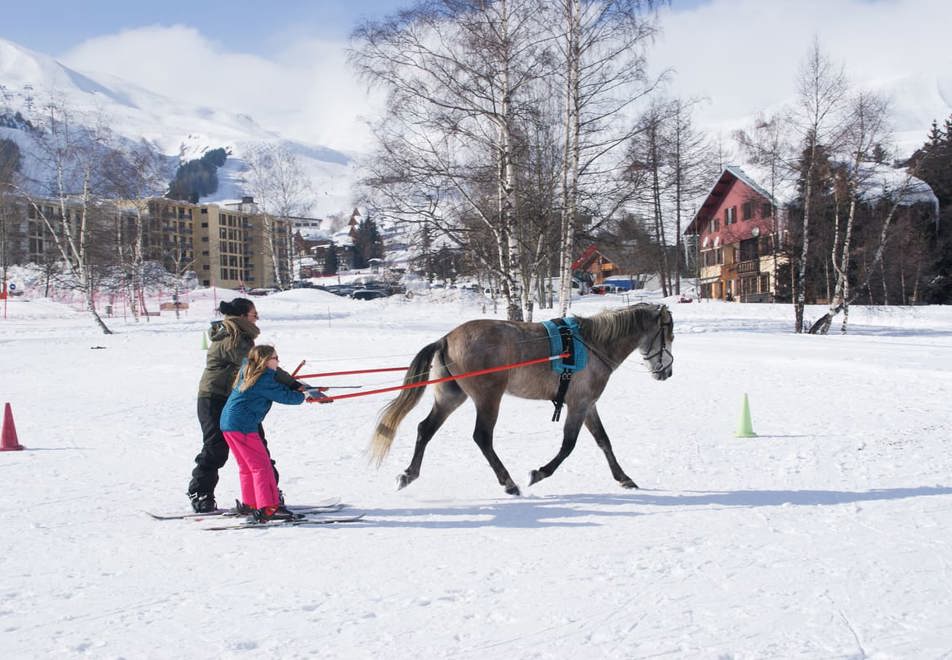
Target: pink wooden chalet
{"points": [[737, 228]]}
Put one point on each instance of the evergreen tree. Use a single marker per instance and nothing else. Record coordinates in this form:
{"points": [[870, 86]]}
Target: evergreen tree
{"points": [[198, 177], [936, 136], [933, 164], [331, 264], [367, 243], [10, 158]]}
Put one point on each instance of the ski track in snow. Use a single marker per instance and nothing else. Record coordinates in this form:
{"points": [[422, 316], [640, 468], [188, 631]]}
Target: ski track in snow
{"points": [[825, 537]]}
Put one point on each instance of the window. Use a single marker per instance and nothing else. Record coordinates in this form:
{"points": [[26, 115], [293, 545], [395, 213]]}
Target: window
{"points": [[712, 257], [748, 249], [716, 225], [765, 283], [747, 285], [730, 215], [766, 211], [747, 210]]}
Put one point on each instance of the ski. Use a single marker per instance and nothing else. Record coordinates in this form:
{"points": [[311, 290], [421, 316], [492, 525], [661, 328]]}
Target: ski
{"points": [[329, 504], [299, 508], [305, 522]]}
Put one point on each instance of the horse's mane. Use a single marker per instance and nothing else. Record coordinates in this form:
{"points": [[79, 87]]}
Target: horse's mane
{"points": [[612, 324]]}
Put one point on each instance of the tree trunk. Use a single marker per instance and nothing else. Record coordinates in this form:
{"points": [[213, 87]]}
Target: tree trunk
{"points": [[571, 154]]}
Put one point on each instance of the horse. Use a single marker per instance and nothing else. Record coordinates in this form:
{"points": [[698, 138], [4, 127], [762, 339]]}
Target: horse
{"points": [[610, 337]]}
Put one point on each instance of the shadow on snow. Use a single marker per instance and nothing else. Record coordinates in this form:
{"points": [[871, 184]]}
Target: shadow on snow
{"points": [[587, 510]]}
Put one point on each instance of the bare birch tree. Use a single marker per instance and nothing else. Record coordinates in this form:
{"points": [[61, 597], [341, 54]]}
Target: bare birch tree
{"points": [[71, 153], [691, 167], [821, 90], [768, 145], [282, 191], [132, 176], [602, 48], [459, 77], [866, 130]]}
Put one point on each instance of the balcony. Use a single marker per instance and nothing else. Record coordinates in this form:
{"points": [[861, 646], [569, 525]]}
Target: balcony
{"points": [[748, 267]]}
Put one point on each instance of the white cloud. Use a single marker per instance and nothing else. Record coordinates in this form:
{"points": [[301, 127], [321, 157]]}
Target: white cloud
{"points": [[306, 91], [744, 55]]}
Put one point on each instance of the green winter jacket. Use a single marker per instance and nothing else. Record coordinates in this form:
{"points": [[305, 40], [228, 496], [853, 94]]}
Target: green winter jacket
{"points": [[228, 348]]}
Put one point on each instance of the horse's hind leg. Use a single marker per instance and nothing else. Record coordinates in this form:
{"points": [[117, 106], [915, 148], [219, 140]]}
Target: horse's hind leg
{"points": [[594, 424], [573, 424], [448, 397], [486, 415]]}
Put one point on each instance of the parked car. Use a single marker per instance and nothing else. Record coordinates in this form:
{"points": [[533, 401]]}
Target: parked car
{"points": [[340, 289], [369, 294]]}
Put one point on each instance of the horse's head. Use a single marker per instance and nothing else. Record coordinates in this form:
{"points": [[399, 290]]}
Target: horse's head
{"points": [[655, 346]]}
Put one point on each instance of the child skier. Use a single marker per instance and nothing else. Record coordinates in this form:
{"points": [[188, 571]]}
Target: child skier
{"points": [[254, 391]]}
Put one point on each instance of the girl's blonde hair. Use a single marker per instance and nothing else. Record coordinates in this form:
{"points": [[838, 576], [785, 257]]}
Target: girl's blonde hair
{"points": [[257, 364]]}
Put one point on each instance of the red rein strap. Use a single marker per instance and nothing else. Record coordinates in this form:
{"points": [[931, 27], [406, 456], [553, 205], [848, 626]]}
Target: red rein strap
{"points": [[468, 374], [348, 373]]}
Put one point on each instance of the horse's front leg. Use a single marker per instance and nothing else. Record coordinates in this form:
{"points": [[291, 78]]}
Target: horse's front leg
{"points": [[573, 424], [594, 424], [483, 435]]}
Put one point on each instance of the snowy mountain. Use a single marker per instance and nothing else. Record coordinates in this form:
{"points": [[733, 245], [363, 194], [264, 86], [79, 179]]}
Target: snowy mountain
{"points": [[177, 128]]}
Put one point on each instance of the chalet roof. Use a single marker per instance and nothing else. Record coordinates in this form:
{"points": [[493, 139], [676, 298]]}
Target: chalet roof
{"points": [[729, 175], [877, 181], [588, 255]]}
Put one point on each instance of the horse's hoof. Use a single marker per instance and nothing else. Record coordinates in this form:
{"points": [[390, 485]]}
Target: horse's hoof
{"points": [[513, 489], [536, 476], [628, 483], [403, 481]]}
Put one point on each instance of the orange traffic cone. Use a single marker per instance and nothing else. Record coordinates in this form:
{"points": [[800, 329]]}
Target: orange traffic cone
{"points": [[8, 437]]}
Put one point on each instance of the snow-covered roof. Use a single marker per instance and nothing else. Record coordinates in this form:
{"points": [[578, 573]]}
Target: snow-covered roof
{"points": [[878, 181]]}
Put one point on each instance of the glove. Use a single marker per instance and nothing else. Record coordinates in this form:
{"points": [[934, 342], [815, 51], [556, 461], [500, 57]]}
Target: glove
{"points": [[317, 394]]}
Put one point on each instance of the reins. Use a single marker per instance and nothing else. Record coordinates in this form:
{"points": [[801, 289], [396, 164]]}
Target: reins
{"points": [[408, 386]]}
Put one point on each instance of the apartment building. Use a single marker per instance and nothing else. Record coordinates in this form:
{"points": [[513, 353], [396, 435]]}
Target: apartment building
{"points": [[225, 245]]}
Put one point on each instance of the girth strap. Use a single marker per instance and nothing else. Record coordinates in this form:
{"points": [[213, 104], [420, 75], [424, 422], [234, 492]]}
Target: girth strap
{"points": [[568, 346]]}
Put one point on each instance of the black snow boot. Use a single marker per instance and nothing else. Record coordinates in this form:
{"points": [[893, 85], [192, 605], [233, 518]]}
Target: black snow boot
{"points": [[203, 502]]}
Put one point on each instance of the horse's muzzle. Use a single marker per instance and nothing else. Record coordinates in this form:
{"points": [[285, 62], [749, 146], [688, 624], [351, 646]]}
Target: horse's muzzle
{"points": [[663, 374]]}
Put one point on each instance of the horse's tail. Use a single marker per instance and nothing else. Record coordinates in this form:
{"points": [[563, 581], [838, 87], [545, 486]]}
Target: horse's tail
{"points": [[396, 410]]}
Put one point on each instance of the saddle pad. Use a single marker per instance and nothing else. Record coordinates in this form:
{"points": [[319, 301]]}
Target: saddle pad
{"points": [[555, 345]]}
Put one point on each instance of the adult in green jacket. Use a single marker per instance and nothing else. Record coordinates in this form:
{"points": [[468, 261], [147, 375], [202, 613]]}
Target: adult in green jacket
{"points": [[231, 340]]}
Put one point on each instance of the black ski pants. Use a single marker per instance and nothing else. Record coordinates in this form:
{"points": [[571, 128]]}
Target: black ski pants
{"points": [[214, 452]]}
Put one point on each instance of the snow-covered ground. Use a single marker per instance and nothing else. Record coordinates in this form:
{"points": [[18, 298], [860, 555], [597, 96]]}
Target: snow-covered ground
{"points": [[825, 537]]}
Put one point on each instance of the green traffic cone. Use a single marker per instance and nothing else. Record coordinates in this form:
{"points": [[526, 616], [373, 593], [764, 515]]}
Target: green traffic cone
{"points": [[745, 429], [204, 341]]}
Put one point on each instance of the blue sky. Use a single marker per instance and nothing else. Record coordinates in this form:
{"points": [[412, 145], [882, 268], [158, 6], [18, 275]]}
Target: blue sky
{"points": [[283, 62], [55, 27]]}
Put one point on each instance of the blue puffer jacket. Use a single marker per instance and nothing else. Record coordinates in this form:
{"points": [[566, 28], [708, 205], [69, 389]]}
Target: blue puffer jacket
{"points": [[244, 411]]}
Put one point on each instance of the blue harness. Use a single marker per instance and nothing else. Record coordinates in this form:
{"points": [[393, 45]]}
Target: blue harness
{"points": [[564, 338]]}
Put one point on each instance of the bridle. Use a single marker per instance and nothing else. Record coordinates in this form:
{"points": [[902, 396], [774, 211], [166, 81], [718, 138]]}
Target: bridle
{"points": [[663, 349]]}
